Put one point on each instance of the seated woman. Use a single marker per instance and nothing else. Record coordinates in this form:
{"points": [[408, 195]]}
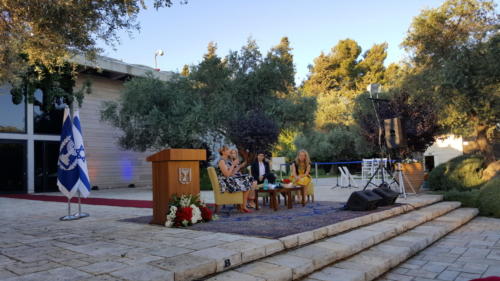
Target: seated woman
{"points": [[301, 168], [233, 156], [230, 182], [261, 170]]}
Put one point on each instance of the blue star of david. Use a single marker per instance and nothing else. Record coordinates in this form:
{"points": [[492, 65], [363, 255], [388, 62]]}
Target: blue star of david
{"points": [[79, 154]]}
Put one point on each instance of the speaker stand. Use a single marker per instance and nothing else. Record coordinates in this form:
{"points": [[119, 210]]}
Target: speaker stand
{"points": [[383, 183]]}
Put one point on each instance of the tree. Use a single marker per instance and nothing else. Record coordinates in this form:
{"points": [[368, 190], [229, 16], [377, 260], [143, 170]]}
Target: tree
{"points": [[335, 71], [341, 143], [454, 49], [37, 38], [254, 132], [244, 97], [371, 68], [155, 114], [48, 32], [419, 119], [57, 86], [338, 77], [185, 71], [285, 146]]}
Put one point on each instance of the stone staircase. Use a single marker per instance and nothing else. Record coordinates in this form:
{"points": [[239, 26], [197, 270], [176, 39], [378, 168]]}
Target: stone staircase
{"points": [[356, 252]]}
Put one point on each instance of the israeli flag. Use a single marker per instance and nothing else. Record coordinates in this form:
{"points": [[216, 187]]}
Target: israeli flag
{"points": [[83, 183], [67, 165]]}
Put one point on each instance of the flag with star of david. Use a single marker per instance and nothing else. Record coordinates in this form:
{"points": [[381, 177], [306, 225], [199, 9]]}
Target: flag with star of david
{"points": [[67, 164], [83, 183]]}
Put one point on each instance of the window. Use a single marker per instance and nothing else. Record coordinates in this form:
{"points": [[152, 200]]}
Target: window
{"points": [[12, 112], [47, 114], [12, 166]]}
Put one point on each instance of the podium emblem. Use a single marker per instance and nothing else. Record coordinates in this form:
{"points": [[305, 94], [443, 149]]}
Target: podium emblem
{"points": [[185, 175]]}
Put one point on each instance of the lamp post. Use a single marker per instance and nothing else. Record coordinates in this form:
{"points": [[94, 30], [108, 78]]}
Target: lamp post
{"points": [[158, 53]]}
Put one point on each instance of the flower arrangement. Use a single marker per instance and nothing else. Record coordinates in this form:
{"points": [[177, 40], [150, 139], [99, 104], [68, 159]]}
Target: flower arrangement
{"points": [[187, 210], [287, 183]]}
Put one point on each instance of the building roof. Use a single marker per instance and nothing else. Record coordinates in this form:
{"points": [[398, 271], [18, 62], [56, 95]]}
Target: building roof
{"points": [[117, 69]]}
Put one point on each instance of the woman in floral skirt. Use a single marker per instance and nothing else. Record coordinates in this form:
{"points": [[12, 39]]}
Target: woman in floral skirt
{"points": [[230, 181]]}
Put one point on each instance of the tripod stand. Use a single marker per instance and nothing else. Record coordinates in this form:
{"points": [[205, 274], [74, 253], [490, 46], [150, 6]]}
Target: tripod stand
{"points": [[374, 89], [337, 183], [381, 168]]}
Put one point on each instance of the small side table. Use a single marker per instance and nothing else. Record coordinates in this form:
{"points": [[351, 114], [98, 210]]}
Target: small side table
{"points": [[273, 193]]}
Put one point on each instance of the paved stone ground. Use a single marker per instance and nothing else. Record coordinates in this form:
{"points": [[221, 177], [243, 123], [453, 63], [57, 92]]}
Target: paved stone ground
{"points": [[472, 251], [35, 245], [323, 191]]}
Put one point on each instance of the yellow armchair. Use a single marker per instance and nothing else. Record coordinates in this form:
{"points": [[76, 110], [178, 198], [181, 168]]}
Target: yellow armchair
{"points": [[223, 198], [310, 192]]}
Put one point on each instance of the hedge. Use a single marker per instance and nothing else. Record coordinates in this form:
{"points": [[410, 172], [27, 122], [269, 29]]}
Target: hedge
{"points": [[467, 198], [489, 198], [460, 173]]}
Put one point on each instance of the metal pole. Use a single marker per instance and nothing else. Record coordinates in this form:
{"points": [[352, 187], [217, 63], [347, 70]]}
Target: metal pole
{"points": [[69, 217], [80, 214], [401, 184], [316, 168]]}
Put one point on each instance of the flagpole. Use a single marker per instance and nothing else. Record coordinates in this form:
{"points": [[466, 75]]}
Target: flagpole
{"points": [[80, 214], [69, 217]]}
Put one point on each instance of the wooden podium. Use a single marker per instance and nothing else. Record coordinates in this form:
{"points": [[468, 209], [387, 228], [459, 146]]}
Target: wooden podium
{"points": [[175, 171]]}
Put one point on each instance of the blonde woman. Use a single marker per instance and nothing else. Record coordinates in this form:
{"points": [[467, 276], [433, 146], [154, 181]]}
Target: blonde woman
{"points": [[229, 181], [233, 156], [301, 169]]}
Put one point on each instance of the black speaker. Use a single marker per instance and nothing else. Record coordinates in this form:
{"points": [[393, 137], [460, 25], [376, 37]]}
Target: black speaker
{"points": [[388, 195], [363, 201], [394, 133]]}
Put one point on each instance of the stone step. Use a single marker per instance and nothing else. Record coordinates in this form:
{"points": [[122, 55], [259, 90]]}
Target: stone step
{"points": [[370, 264], [410, 204], [242, 250], [296, 263]]}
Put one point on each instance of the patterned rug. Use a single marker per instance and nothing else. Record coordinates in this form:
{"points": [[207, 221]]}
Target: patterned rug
{"points": [[268, 223], [275, 224]]}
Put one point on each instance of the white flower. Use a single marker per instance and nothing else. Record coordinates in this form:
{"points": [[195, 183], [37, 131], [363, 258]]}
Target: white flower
{"points": [[196, 214], [171, 217], [185, 200], [173, 211]]}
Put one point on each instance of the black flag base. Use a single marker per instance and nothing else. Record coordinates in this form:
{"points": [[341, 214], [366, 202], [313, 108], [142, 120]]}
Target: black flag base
{"points": [[69, 217]]}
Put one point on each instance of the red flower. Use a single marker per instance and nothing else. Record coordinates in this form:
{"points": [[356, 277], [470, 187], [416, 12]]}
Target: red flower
{"points": [[183, 213], [286, 181], [206, 214]]}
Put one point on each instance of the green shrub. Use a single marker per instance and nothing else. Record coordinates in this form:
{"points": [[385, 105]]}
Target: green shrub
{"points": [[467, 198], [489, 198], [460, 173]]}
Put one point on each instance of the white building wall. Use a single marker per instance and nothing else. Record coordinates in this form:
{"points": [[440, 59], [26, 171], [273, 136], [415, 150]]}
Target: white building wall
{"points": [[109, 166], [445, 148]]}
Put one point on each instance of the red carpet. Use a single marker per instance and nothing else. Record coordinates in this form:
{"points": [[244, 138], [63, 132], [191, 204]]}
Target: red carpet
{"points": [[89, 201]]}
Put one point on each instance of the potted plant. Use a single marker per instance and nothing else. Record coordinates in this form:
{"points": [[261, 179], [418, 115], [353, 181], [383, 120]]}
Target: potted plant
{"points": [[413, 174]]}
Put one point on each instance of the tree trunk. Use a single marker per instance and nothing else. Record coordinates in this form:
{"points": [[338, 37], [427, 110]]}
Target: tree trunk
{"points": [[484, 145]]}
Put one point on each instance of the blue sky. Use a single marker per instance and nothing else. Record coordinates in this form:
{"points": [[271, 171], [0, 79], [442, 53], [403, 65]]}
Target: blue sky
{"points": [[183, 31]]}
